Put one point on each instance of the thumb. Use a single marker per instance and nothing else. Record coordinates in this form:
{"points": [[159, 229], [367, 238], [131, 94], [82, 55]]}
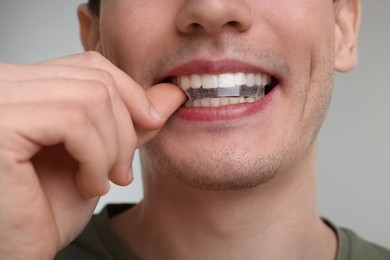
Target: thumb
{"points": [[166, 99]]}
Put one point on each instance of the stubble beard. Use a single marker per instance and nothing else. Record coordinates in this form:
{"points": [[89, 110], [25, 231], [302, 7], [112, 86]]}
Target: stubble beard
{"points": [[232, 169], [231, 165], [240, 169]]}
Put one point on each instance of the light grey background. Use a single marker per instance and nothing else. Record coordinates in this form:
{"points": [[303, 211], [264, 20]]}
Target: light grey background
{"points": [[354, 144]]}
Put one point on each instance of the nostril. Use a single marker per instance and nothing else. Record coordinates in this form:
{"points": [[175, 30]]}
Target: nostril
{"points": [[195, 27], [240, 26], [233, 23]]}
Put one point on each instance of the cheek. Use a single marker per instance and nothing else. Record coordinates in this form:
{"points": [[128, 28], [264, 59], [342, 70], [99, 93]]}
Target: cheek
{"points": [[311, 53], [130, 39], [302, 25]]}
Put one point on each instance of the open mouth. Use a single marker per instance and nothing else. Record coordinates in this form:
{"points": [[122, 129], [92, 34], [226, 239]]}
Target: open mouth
{"points": [[214, 90]]}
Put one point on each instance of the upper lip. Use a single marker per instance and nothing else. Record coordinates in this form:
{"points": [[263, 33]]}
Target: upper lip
{"points": [[212, 67]]}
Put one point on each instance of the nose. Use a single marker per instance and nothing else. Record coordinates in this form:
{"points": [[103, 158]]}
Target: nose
{"points": [[213, 16]]}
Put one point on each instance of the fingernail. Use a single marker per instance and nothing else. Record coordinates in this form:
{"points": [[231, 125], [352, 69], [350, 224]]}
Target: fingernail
{"points": [[155, 113]]}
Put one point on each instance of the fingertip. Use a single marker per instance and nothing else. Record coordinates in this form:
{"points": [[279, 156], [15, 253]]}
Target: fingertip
{"points": [[161, 101], [166, 98], [91, 190], [122, 177]]}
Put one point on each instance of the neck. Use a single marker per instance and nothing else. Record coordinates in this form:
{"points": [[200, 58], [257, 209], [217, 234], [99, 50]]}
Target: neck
{"points": [[277, 220]]}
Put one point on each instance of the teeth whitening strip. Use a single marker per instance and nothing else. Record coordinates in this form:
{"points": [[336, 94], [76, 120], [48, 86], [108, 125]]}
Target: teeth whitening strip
{"points": [[237, 91], [247, 85]]}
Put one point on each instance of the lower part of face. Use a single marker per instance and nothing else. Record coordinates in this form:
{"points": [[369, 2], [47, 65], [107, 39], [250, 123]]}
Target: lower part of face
{"points": [[291, 41]]}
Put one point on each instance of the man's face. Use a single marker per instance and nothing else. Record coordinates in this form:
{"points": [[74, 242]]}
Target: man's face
{"points": [[231, 146]]}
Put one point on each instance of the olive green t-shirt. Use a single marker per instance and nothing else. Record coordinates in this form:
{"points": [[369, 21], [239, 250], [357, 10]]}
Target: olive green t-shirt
{"points": [[98, 241]]}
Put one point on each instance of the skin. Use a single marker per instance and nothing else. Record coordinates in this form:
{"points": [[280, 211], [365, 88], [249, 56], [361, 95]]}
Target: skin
{"points": [[258, 170], [67, 127]]}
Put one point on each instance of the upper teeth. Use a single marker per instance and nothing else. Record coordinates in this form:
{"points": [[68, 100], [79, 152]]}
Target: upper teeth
{"points": [[208, 90], [225, 80]]}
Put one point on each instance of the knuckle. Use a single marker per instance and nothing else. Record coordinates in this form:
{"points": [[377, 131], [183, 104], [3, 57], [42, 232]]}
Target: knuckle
{"points": [[108, 80], [98, 93], [104, 76], [92, 56], [76, 116]]}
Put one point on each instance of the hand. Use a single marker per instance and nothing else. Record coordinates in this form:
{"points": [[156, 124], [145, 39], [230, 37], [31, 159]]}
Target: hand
{"points": [[67, 126]]}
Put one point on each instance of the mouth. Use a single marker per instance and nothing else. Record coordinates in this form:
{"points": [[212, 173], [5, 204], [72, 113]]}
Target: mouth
{"points": [[216, 90]]}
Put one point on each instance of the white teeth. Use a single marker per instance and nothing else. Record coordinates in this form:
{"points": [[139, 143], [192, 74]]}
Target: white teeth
{"points": [[250, 80], [209, 81], [205, 102], [196, 103], [224, 101], [234, 100], [185, 82], [217, 102], [258, 80], [266, 79], [250, 99], [225, 80], [196, 81], [239, 79]]}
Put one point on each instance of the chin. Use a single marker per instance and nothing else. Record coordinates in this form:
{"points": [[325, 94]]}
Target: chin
{"points": [[223, 178], [230, 169]]}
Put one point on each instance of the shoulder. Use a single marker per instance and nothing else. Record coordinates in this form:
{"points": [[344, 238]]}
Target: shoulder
{"points": [[353, 247]]}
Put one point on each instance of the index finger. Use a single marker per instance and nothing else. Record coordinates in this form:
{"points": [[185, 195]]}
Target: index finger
{"points": [[142, 111]]}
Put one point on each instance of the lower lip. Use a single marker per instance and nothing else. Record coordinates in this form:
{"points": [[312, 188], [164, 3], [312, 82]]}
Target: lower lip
{"points": [[225, 113]]}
